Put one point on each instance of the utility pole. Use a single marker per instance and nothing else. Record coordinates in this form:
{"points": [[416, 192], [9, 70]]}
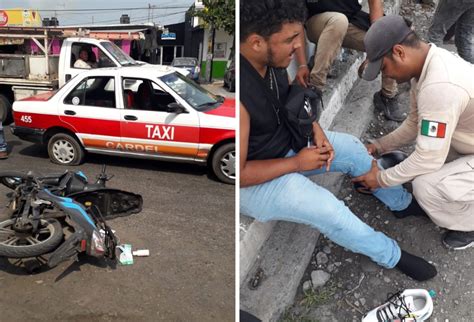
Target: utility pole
{"points": [[210, 55]]}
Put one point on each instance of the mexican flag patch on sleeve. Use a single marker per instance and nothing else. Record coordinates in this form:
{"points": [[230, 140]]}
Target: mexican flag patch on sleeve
{"points": [[433, 129]]}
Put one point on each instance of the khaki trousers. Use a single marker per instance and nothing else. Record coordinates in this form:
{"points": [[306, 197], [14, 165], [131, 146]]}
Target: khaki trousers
{"points": [[329, 31], [447, 195]]}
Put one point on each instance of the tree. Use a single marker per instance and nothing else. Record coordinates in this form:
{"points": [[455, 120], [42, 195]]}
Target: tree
{"points": [[220, 15]]}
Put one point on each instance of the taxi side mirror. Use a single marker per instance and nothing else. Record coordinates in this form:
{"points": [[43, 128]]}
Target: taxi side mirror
{"points": [[176, 108]]}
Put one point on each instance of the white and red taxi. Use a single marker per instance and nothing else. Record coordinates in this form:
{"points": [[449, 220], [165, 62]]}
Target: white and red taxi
{"points": [[132, 111]]}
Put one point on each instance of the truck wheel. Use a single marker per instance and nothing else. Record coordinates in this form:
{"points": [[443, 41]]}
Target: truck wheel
{"points": [[5, 110], [223, 163], [64, 149]]}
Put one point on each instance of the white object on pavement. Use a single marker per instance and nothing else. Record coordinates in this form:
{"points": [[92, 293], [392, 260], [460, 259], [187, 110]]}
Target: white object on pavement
{"points": [[415, 304], [141, 252]]}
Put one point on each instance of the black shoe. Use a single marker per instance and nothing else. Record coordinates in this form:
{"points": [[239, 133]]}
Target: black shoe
{"points": [[458, 240], [416, 267], [413, 209], [248, 317], [389, 106]]}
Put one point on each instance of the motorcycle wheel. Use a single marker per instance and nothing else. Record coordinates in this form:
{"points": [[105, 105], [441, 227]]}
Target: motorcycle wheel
{"points": [[12, 179], [22, 245]]}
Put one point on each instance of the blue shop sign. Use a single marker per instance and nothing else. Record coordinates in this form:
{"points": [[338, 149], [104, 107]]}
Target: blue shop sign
{"points": [[168, 36]]}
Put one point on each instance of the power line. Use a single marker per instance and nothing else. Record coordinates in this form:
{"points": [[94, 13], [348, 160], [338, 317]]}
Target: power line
{"points": [[137, 19], [103, 9]]}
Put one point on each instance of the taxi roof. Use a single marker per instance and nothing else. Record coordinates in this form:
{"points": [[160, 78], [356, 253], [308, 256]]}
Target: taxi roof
{"points": [[147, 70]]}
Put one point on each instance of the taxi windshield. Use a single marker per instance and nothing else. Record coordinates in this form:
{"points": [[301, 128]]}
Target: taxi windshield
{"points": [[199, 98]]}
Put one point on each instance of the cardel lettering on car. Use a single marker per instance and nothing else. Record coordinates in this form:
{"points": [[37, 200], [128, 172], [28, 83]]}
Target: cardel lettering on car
{"points": [[160, 132], [132, 147], [148, 148]]}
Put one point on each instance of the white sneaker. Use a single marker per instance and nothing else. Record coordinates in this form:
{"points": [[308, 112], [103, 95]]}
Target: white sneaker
{"points": [[409, 305]]}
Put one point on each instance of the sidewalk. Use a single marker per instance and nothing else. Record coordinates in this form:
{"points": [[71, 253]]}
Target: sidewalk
{"points": [[217, 88]]}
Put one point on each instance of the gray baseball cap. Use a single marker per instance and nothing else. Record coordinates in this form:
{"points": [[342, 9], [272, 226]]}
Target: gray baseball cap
{"points": [[384, 33]]}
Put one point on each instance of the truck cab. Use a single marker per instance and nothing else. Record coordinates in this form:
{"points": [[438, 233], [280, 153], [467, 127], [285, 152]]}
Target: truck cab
{"points": [[100, 53]]}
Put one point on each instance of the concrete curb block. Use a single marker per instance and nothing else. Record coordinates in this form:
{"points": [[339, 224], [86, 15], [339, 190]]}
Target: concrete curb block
{"points": [[255, 234]]}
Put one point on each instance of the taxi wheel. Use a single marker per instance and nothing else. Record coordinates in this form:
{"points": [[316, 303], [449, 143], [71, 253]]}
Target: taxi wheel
{"points": [[223, 163], [64, 149]]}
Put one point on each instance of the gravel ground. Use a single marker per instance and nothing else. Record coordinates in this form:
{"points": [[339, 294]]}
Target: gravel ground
{"points": [[352, 284]]}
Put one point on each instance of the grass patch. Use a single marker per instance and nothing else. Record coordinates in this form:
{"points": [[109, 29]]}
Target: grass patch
{"points": [[313, 298]]}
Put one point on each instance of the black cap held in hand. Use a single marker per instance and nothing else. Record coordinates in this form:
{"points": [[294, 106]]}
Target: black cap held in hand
{"points": [[384, 33]]}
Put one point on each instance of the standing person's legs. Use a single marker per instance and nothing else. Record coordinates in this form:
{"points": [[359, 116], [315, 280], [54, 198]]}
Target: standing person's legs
{"points": [[446, 15], [327, 31], [3, 144], [464, 35]]}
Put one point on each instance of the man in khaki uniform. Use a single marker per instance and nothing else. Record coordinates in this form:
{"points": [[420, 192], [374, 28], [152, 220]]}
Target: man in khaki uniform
{"points": [[441, 122]]}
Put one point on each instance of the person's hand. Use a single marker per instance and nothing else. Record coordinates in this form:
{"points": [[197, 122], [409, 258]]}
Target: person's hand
{"points": [[321, 141], [371, 148], [362, 67], [369, 179], [311, 158], [302, 76]]}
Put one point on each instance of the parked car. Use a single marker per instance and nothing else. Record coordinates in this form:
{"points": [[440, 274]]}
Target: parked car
{"points": [[189, 63], [154, 113], [229, 77]]}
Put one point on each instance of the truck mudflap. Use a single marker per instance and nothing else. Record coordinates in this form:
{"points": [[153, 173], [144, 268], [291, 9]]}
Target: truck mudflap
{"points": [[28, 134]]}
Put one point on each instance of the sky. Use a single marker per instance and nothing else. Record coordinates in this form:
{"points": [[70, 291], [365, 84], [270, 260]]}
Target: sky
{"points": [[165, 11]]}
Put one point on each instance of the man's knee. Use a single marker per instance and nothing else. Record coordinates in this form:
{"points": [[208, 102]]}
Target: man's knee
{"points": [[338, 20], [423, 190], [334, 22]]}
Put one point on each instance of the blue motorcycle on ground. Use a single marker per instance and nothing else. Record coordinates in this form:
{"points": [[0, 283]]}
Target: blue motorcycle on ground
{"points": [[61, 216]]}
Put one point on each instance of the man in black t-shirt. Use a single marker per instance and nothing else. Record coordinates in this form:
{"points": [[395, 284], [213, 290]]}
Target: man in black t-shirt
{"points": [[333, 24], [274, 182]]}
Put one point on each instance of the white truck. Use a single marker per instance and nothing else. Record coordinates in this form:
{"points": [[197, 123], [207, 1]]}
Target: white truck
{"points": [[37, 60]]}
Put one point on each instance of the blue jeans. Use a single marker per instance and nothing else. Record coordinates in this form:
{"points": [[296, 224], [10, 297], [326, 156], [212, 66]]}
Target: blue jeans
{"points": [[461, 13], [3, 143], [293, 197]]}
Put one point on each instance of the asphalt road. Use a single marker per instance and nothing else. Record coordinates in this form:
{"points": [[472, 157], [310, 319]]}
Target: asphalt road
{"points": [[187, 223]]}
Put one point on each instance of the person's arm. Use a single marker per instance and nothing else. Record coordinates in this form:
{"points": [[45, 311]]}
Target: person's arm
{"points": [[439, 107], [375, 10], [321, 141], [302, 75], [259, 171], [404, 135]]}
